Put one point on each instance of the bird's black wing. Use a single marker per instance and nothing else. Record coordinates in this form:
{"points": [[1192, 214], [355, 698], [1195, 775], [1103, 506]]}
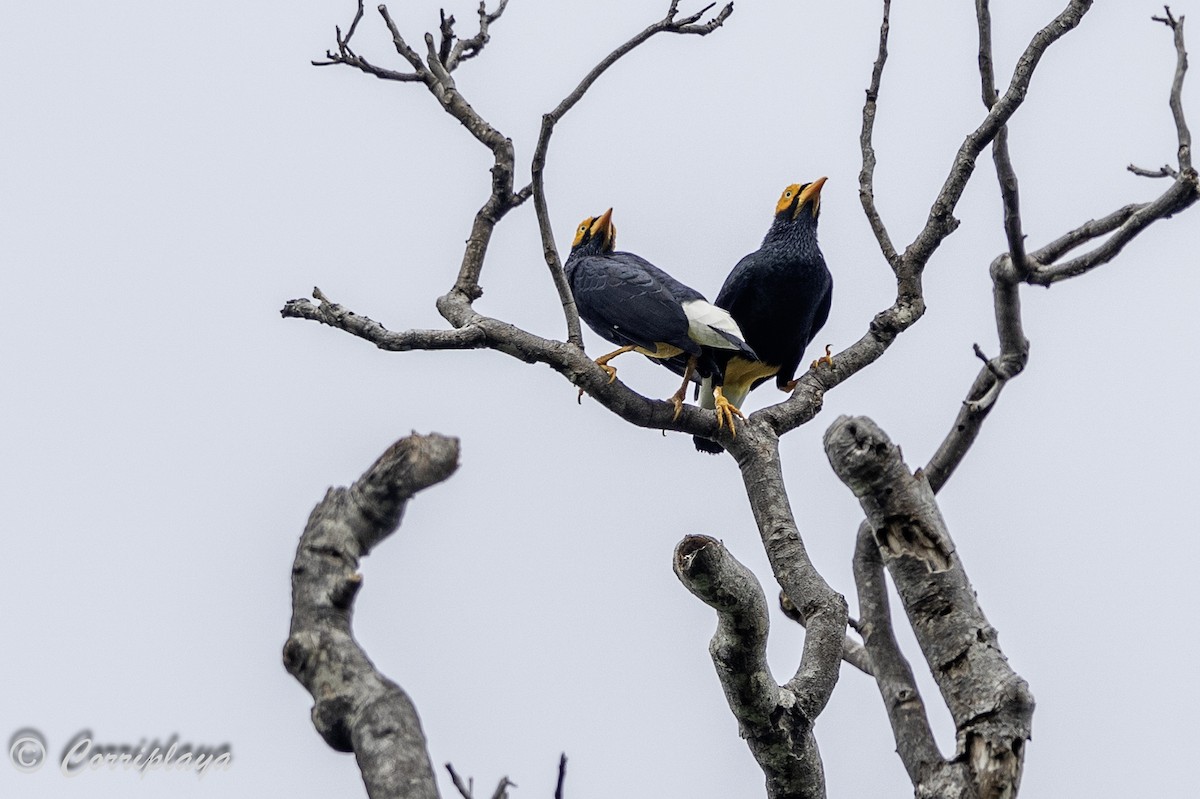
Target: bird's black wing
{"points": [[822, 313], [628, 304]]}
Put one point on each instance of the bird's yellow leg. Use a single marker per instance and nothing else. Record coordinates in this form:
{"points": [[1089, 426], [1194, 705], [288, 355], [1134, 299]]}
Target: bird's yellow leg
{"points": [[603, 360], [826, 358], [676, 399], [611, 371], [726, 410]]}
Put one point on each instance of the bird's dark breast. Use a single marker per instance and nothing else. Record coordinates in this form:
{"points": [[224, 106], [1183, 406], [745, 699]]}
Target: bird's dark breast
{"points": [[773, 303]]}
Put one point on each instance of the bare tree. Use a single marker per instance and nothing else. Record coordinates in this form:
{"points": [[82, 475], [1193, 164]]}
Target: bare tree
{"points": [[357, 709]]}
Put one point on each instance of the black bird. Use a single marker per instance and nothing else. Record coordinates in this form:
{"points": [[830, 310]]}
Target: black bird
{"points": [[639, 307], [779, 296]]}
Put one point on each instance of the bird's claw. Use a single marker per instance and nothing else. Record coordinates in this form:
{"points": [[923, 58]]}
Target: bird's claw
{"points": [[726, 411], [676, 400], [827, 358], [611, 371]]}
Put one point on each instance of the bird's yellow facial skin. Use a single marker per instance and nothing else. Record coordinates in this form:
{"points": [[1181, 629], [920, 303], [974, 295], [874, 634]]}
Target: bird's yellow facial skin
{"points": [[582, 231], [808, 193], [789, 195], [600, 227]]}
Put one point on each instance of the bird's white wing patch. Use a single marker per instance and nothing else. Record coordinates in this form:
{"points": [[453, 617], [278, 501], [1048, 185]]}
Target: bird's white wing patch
{"points": [[705, 319]]}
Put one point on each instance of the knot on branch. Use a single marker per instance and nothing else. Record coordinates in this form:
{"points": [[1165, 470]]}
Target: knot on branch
{"points": [[905, 536]]}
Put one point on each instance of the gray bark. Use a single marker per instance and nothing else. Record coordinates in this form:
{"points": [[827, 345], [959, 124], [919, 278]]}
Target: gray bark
{"points": [[355, 708]]}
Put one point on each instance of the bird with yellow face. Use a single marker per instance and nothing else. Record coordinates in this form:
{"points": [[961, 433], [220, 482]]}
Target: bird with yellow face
{"points": [[779, 296], [632, 303]]}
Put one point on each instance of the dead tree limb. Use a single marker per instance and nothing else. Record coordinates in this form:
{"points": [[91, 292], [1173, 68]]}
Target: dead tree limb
{"points": [[991, 705], [771, 718], [355, 708]]}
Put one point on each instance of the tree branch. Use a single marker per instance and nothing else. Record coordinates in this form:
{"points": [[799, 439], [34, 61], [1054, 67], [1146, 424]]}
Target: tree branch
{"points": [[1184, 153], [469, 48], [853, 652], [866, 177], [668, 24], [901, 697], [770, 717], [1126, 223], [355, 708], [991, 705], [909, 304]]}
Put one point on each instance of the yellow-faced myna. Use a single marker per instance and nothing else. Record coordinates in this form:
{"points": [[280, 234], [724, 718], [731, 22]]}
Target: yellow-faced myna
{"points": [[779, 295], [639, 307]]}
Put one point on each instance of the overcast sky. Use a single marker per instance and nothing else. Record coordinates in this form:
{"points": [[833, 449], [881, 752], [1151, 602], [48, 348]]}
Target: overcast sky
{"points": [[173, 173]]}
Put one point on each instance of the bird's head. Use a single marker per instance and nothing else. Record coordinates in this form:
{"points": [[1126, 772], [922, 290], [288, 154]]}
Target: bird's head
{"points": [[799, 198], [596, 233]]}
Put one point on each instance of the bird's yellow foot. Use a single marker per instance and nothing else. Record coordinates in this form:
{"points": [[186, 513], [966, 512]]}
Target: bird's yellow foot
{"points": [[676, 399], [603, 360], [826, 358], [726, 411]]}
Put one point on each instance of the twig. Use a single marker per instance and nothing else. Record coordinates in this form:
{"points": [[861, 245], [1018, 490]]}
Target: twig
{"points": [[562, 776], [1164, 171], [469, 48], [866, 177], [501, 791], [1126, 223], [1176, 97], [467, 790]]}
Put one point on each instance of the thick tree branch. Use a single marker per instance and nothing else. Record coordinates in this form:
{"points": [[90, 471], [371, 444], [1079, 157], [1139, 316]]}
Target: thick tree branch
{"points": [[475, 331], [853, 652], [991, 705], [668, 24], [355, 708], [757, 452], [901, 697], [775, 727]]}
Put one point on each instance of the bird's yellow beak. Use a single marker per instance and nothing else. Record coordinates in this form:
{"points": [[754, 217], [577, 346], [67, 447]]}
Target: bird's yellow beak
{"points": [[811, 193], [604, 228]]}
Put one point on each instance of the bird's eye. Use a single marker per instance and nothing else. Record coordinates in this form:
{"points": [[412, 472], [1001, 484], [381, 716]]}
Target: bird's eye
{"points": [[787, 194]]}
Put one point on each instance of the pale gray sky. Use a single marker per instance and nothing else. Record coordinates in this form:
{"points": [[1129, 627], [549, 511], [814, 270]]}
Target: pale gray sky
{"points": [[173, 173]]}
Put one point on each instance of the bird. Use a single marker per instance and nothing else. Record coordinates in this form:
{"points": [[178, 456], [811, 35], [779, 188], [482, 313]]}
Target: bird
{"points": [[780, 296], [632, 303]]}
